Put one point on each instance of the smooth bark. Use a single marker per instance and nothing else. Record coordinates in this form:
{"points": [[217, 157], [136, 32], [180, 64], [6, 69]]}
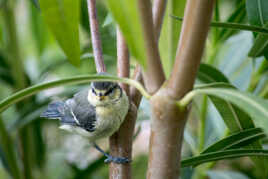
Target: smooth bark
{"points": [[95, 36], [168, 121]]}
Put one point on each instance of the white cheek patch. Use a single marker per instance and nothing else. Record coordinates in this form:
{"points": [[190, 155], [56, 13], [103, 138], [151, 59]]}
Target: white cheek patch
{"points": [[66, 127]]}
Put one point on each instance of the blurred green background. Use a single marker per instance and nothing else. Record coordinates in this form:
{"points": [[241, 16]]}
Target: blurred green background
{"points": [[29, 55]]}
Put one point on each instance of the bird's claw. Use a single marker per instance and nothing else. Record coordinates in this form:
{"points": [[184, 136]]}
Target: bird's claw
{"points": [[118, 160]]}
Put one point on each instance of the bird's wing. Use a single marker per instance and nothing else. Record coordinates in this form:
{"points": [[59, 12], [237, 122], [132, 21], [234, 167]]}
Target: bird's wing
{"points": [[82, 111]]}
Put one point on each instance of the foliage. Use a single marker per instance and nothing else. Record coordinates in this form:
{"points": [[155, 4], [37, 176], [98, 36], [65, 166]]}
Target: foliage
{"points": [[232, 82]]}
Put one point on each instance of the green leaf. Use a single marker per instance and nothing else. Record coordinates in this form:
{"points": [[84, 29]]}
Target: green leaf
{"points": [[62, 17], [236, 140], [20, 95], [8, 150], [227, 154], [125, 13], [236, 17], [170, 34], [260, 46], [209, 74], [256, 107], [234, 118], [35, 3], [232, 26], [257, 12]]}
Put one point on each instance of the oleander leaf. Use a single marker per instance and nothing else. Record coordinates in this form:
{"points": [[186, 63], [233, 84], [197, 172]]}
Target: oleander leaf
{"points": [[62, 17]]}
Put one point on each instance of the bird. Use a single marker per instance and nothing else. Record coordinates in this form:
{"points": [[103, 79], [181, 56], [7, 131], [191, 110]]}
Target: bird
{"points": [[94, 113]]}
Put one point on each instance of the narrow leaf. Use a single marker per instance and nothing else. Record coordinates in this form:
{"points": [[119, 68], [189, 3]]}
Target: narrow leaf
{"points": [[8, 150], [62, 17], [237, 16], [209, 74], [170, 33], [20, 95], [253, 105], [228, 154], [257, 11], [233, 26], [125, 13], [260, 46], [236, 140], [235, 118]]}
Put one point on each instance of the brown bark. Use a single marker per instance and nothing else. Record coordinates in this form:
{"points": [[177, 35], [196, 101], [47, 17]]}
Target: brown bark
{"points": [[166, 138], [122, 59], [159, 8], [121, 141], [193, 36], [153, 74], [95, 36], [167, 121]]}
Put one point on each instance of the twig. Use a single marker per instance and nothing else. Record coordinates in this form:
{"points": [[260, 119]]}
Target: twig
{"points": [[121, 141], [122, 59], [95, 35], [159, 8], [153, 74], [135, 95]]}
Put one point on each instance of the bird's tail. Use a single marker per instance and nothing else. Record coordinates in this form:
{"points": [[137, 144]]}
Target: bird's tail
{"points": [[55, 110]]}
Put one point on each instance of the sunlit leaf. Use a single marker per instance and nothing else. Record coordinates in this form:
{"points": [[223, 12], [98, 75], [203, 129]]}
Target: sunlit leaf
{"points": [[62, 17], [125, 13]]}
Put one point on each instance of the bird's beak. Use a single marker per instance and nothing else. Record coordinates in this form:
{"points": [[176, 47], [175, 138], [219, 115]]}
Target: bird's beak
{"points": [[101, 98]]}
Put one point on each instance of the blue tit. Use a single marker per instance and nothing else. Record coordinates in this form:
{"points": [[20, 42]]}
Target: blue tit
{"points": [[94, 113]]}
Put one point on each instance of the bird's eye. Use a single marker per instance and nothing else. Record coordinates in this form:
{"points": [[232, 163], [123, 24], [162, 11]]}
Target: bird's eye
{"points": [[109, 91], [94, 91]]}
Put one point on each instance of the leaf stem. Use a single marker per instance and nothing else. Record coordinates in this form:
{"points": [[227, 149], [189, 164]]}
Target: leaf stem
{"points": [[20, 95], [202, 127]]}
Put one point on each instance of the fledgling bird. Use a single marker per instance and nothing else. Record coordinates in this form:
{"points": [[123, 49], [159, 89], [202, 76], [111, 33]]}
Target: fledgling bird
{"points": [[94, 113]]}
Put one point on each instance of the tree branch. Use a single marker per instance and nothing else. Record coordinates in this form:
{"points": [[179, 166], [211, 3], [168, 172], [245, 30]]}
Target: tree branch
{"points": [[121, 141], [190, 49], [95, 35], [159, 8], [135, 95], [167, 125], [153, 74], [122, 59]]}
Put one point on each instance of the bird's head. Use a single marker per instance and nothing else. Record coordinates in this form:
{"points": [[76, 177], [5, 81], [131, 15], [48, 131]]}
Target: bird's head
{"points": [[104, 93]]}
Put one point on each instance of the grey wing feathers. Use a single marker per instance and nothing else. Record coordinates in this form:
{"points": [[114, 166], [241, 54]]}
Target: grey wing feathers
{"points": [[55, 110], [84, 111], [76, 111]]}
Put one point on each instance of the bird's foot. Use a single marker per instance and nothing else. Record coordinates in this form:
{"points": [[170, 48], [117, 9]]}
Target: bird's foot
{"points": [[118, 160]]}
